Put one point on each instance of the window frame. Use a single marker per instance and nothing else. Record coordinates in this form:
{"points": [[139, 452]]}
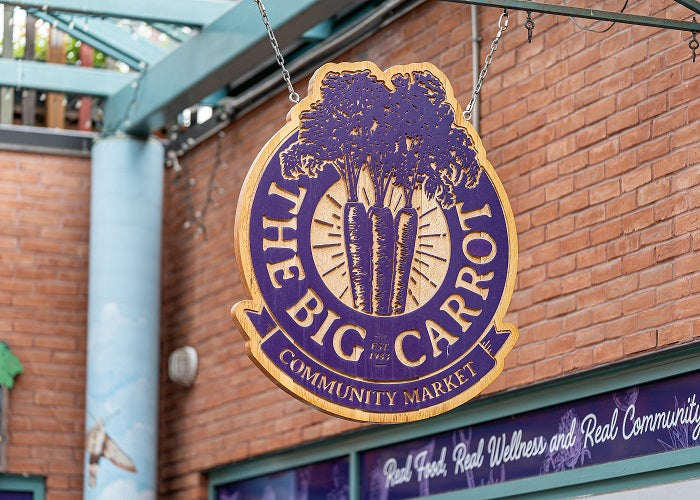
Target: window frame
{"points": [[658, 468], [24, 484]]}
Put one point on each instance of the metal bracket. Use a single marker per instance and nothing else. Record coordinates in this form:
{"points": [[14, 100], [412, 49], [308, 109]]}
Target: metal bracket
{"points": [[598, 15]]}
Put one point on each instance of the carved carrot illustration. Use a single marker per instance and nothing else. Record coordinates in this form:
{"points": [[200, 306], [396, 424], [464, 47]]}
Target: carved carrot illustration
{"points": [[429, 156], [335, 132]]}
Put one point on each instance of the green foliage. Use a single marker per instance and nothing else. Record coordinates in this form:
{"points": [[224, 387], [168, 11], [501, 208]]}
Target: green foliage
{"points": [[99, 59], [72, 49], [10, 366]]}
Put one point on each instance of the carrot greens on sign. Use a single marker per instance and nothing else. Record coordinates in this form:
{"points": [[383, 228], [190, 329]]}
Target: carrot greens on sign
{"points": [[353, 128]]}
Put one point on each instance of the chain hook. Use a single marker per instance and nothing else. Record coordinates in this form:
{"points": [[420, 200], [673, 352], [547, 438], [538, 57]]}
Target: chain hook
{"points": [[529, 26], [503, 22], [502, 26], [693, 44], [293, 96]]}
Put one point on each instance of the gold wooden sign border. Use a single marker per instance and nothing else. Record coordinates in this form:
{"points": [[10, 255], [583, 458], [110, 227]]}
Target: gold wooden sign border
{"points": [[244, 258]]}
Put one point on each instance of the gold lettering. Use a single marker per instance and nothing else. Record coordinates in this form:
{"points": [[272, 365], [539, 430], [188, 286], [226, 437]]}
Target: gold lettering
{"points": [[481, 236], [279, 241], [472, 284], [286, 351], [296, 362], [468, 366], [413, 397], [437, 388], [305, 304], [398, 348], [356, 349], [448, 382], [485, 210], [286, 267], [306, 374], [357, 394], [296, 199], [321, 333], [457, 312], [437, 333], [325, 384]]}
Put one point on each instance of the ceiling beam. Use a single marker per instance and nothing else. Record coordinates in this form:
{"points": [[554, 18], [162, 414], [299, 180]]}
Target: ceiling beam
{"points": [[107, 37], [181, 12], [233, 44], [62, 78], [174, 32]]}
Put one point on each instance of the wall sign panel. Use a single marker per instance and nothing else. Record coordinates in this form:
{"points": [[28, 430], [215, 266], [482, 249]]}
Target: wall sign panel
{"points": [[643, 420]]}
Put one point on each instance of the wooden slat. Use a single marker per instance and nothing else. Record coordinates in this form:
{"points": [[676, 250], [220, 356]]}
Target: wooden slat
{"points": [[55, 102], [85, 111], [7, 94], [29, 96]]}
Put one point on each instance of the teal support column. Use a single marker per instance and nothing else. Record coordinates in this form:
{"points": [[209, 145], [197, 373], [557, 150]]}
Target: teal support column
{"points": [[123, 319]]}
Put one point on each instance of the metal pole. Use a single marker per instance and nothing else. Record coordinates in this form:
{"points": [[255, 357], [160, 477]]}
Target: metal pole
{"points": [[598, 15]]}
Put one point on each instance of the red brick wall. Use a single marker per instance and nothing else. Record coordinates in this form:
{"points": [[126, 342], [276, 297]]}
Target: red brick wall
{"points": [[595, 137], [44, 219]]}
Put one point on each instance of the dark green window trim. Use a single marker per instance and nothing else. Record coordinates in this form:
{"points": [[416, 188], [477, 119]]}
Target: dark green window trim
{"points": [[653, 469], [25, 484]]}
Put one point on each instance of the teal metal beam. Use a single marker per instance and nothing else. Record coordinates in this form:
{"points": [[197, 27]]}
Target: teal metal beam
{"points": [[62, 78], [107, 37], [691, 4], [182, 12], [174, 32], [232, 45], [597, 15]]}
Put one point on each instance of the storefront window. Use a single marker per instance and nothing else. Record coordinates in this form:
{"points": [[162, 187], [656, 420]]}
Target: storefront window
{"points": [[16, 495], [628, 423], [319, 481], [631, 425]]}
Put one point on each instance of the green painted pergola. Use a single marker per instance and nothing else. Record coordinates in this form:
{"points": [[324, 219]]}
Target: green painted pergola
{"points": [[221, 40], [217, 42]]}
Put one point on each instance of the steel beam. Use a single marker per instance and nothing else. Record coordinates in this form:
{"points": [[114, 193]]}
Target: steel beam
{"points": [[597, 15], [62, 78], [105, 36], [181, 12], [174, 32], [232, 45], [691, 4]]}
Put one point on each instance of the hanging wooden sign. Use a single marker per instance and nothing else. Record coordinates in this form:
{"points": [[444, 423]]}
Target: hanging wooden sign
{"points": [[378, 249]]}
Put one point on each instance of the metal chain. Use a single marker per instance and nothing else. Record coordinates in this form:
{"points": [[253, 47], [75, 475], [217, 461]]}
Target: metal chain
{"points": [[293, 96], [502, 26], [693, 45]]}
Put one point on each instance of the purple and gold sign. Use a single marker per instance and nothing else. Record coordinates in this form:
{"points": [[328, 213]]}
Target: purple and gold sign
{"points": [[378, 248]]}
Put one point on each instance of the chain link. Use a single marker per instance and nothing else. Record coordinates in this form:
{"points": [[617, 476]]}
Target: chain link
{"points": [[693, 45], [502, 26], [293, 96]]}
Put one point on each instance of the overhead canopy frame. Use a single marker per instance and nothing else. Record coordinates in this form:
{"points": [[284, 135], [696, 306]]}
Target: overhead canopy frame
{"points": [[217, 42], [597, 15], [180, 12]]}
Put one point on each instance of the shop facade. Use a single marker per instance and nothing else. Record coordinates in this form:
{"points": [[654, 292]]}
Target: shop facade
{"points": [[595, 139]]}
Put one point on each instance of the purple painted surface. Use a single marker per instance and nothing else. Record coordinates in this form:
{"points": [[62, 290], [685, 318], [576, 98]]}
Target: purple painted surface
{"points": [[15, 495], [639, 421], [385, 148], [320, 481]]}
